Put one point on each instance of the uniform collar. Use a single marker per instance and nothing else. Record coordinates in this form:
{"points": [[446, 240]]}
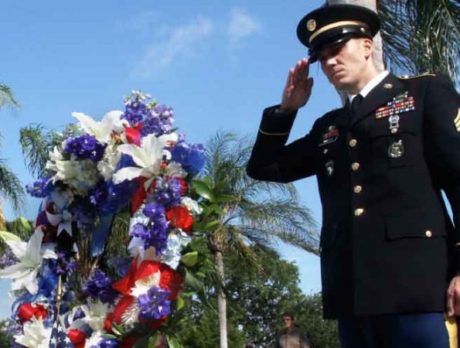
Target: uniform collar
{"points": [[370, 85], [385, 90]]}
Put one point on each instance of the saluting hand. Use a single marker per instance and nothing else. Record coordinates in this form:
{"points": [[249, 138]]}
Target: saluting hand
{"points": [[453, 297], [298, 87]]}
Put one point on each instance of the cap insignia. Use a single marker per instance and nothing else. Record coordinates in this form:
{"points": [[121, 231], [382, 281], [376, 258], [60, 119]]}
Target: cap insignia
{"points": [[311, 25]]}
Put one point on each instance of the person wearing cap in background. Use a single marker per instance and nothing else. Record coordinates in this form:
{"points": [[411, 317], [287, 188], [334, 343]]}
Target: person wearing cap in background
{"points": [[389, 251]]}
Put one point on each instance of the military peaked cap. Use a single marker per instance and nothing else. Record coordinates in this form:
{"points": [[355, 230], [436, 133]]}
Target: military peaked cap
{"points": [[334, 24]]}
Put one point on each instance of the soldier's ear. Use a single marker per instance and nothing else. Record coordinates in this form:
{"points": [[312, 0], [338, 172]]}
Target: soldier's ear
{"points": [[368, 46]]}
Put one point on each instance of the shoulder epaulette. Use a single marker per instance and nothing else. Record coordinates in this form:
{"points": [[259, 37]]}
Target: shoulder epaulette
{"points": [[408, 77]]}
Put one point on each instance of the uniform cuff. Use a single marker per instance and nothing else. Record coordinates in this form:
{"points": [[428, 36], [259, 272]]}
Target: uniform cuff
{"points": [[276, 122]]}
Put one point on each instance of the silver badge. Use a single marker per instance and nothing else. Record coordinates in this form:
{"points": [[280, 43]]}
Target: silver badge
{"points": [[330, 168], [393, 120], [396, 149]]}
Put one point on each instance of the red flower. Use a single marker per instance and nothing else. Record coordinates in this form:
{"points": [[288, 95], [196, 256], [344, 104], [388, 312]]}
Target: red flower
{"points": [[77, 338], [28, 310], [183, 186], [180, 217], [133, 134], [170, 280]]}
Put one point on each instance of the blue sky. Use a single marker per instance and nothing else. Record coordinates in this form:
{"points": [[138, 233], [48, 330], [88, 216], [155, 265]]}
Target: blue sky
{"points": [[218, 64]]}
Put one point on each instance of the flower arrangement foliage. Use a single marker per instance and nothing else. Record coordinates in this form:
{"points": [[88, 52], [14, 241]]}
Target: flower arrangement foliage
{"points": [[70, 291]]}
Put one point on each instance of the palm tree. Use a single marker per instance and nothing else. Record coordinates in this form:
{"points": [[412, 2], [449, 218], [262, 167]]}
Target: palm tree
{"points": [[422, 36], [10, 185], [240, 212]]}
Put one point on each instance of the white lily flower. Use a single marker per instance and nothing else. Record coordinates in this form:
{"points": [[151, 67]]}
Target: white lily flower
{"points": [[95, 314], [147, 157], [30, 256], [36, 335], [102, 131]]}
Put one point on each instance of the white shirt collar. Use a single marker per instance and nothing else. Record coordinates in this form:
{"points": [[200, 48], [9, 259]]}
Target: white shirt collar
{"points": [[370, 85]]}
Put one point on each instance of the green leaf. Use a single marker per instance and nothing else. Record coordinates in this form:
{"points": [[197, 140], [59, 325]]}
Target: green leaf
{"points": [[211, 225], [224, 198], [193, 282], [118, 329], [173, 342], [154, 340], [180, 303], [190, 259], [25, 224], [8, 236], [203, 190]]}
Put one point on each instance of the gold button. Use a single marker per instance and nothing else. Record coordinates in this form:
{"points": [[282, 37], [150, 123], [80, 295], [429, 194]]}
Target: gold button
{"points": [[355, 166], [359, 211], [353, 142], [428, 233], [394, 130], [357, 189]]}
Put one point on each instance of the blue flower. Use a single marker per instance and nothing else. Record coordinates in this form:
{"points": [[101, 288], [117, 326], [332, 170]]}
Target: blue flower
{"points": [[154, 233], [168, 192], [99, 286], [159, 121], [85, 147], [110, 198], [40, 188], [154, 304], [8, 258], [108, 343], [190, 156]]}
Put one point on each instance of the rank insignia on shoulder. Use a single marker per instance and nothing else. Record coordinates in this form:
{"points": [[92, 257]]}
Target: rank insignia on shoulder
{"points": [[330, 136], [400, 104], [408, 77], [457, 121]]}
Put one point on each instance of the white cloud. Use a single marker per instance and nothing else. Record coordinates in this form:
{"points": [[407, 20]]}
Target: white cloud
{"points": [[180, 42], [241, 26]]}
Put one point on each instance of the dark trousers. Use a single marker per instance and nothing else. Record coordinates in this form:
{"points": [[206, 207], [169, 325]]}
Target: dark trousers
{"points": [[426, 330]]}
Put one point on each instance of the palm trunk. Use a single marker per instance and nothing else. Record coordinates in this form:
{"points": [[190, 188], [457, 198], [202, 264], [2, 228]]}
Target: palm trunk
{"points": [[221, 301]]}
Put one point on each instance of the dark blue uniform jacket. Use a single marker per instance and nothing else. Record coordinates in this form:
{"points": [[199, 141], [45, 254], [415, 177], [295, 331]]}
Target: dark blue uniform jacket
{"points": [[387, 242]]}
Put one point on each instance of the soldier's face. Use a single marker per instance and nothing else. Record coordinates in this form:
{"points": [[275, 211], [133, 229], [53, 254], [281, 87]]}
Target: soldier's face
{"points": [[345, 64]]}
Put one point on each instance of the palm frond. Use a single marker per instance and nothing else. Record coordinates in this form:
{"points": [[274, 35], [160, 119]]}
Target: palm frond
{"points": [[7, 97], [36, 144], [11, 187], [422, 36]]}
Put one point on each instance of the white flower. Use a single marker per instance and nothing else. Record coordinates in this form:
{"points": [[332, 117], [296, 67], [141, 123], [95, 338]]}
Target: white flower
{"points": [[95, 314], [94, 340], [30, 255], [142, 286], [176, 242], [80, 175], [108, 163], [36, 335], [102, 131], [147, 157], [174, 169], [191, 205]]}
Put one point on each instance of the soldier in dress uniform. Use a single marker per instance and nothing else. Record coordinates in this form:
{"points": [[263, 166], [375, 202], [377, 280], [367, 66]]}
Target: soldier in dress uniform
{"points": [[389, 251]]}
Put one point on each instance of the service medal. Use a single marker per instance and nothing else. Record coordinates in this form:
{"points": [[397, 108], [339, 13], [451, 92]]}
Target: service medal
{"points": [[396, 149]]}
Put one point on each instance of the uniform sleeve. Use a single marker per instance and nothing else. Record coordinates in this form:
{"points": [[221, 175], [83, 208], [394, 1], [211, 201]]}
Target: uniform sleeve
{"points": [[442, 131], [272, 159]]}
